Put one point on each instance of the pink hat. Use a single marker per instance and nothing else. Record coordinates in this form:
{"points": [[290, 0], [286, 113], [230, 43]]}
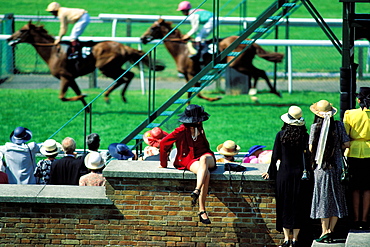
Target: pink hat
{"points": [[154, 136], [184, 5]]}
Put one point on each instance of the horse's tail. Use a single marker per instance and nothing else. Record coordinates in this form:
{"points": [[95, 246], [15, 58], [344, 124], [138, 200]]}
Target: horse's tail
{"points": [[136, 55], [267, 55]]}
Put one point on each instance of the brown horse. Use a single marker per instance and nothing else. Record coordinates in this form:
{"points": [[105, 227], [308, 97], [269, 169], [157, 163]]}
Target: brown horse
{"points": [[185, 65], [107, 56]]}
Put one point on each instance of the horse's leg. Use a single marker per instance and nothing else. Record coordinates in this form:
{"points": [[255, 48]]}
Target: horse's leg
{"points": [[261, 73], [70, 82], [114, 74]]}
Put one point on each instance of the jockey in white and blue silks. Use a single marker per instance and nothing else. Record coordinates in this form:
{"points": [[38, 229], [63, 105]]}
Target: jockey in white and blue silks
{"points": [[197, 17]]}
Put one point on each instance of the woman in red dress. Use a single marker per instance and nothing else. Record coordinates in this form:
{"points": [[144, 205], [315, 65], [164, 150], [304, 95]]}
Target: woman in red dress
{"points": [[193, 153]]}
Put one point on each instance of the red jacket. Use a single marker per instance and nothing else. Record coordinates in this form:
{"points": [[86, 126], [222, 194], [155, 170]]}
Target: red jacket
{"points": [[184, 144]]}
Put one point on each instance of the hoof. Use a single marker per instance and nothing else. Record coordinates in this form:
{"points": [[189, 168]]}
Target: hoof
{"points": [[87, 109], [252, 91], [107, 99], [276, 93], [255, 99], [124, 99]]}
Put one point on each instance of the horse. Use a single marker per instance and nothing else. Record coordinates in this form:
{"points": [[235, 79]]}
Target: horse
{"points": [[107, 56], [189, 68]]}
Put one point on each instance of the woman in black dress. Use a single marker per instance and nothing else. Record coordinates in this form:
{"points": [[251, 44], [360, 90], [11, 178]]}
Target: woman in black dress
{"points": [[292, 193]]}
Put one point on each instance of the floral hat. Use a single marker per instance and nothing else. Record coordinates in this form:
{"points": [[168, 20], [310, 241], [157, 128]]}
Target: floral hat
{"points": [[293, 116], [154, 136]]}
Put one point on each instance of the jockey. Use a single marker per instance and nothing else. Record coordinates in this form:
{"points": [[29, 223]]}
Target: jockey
{"points": [[197, 17], [79, 17]]}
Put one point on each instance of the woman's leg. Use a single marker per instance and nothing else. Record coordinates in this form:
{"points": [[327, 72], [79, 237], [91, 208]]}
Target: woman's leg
{"points": [[286, 234], [295, 234], [201, 169], [332, 222], [324, 226], [356, 204], [365, 205]]}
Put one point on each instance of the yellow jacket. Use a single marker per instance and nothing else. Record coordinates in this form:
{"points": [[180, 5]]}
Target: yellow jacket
{"points": [[66, 16], [357, 125]]}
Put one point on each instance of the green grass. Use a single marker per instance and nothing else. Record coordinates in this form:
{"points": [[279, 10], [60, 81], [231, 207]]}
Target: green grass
{"points": [[234, 117]]}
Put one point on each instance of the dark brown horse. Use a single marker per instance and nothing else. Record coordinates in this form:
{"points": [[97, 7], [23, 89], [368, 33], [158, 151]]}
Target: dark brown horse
{"points": [[185, 65], [107, 56]]}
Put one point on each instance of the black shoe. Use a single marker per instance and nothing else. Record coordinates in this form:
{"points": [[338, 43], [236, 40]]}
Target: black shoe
{"points": [[364, 225], [195, 195], [204, 221], [286, 244], [295, 243]]}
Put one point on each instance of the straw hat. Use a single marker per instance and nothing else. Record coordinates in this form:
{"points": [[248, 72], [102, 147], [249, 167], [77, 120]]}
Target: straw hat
{"points": [[20, 135], [94, 161], [50, 147], [228, 148], [322, 106], [293, 116], [193, 114]]}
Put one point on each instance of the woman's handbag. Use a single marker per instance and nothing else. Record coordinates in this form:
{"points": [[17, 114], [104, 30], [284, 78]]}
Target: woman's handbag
{"points": [[234, 167], [306, 174], [344, 178]]}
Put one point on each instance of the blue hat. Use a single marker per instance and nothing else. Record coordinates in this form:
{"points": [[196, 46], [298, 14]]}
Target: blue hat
{"points": [[120, 151], [20, 135], [254, 149]]}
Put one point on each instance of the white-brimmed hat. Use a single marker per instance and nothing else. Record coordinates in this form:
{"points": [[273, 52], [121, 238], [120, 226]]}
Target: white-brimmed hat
{"points": [[94, 161], [50, 147], [293, 116]]}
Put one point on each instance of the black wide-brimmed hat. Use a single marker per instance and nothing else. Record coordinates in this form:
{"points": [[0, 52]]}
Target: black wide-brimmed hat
{"points": [[363, 93], [193, 114]]}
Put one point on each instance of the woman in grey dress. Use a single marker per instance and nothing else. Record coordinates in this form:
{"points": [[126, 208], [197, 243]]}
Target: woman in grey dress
{"points": [[328, 139]]}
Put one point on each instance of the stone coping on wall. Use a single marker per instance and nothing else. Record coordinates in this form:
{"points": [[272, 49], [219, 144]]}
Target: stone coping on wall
{"points": [[152, 170], [64, 194]]}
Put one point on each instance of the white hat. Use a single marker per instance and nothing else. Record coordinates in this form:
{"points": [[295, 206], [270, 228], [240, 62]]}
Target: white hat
{"points": [[54, 6], [94, 161], [293, 116], [50, 147]]}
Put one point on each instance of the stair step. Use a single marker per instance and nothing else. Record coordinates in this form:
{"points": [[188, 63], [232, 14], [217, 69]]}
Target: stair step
{"points": [[356, 238], [275, 18], [234, 54], [220, 66], [193, 90], [181, 101], [316, 244], [152, 125], [247, 42], [260, 30], [138, 137], [167, 113], [290, 5], [207, 77]]}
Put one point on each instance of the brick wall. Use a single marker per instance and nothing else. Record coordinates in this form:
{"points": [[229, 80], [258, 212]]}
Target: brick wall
{"points": [[148, 212]]}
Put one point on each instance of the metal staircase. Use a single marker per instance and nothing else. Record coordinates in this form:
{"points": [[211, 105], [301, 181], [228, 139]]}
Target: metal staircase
{"points": [[263, 23]]}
